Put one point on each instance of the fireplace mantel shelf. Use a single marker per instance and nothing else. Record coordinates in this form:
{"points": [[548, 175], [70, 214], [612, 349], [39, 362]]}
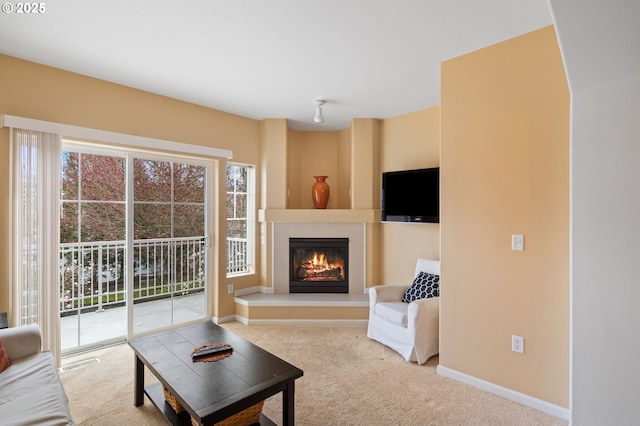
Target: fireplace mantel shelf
{"points": [[319, 216]]}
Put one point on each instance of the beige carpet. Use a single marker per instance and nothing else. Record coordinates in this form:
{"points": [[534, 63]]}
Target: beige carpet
{"points": [[348, 380]]}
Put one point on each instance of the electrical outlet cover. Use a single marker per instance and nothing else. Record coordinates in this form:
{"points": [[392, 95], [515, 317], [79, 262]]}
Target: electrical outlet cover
{"points": [[517, 242], [517, 344]]}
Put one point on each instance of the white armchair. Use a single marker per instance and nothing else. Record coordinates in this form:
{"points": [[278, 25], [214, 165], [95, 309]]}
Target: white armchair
{"points": [[411, 329]]}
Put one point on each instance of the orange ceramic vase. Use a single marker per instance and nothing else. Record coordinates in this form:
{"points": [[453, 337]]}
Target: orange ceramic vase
{"points": [[320, 192]]}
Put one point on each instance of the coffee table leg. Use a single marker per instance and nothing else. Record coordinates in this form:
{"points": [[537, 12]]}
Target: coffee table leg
{"points": [[138, 394], [288, 404]]}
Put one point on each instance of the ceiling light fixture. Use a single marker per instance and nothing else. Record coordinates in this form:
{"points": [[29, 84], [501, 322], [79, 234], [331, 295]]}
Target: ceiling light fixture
{"points": [[318, 117]]}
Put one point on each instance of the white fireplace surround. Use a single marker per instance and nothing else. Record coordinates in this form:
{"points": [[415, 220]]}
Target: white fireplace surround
{"points": [[355, 232]]}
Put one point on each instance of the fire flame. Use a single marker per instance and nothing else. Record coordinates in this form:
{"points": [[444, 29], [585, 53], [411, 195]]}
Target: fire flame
{"points": [[319, 263]]}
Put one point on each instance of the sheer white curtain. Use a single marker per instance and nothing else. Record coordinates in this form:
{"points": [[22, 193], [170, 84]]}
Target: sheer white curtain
{"points": [[35, 222]]}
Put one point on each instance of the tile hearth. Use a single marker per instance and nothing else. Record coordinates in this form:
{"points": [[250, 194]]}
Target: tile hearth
{"points": [[257, 308], [304, 299]]}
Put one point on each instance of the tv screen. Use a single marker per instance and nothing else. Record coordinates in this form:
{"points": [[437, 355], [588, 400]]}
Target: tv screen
{"points": [[411, 195]]}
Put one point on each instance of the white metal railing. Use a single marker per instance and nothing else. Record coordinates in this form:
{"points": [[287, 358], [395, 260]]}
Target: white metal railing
{"points": [[237, 260], [92, 273]]}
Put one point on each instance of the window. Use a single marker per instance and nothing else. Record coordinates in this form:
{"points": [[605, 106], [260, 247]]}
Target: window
{"points": [[240, 226]]}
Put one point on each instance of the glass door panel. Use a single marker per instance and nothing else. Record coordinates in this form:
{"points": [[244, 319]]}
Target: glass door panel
{"points": [[92, 249], [169, 260]]}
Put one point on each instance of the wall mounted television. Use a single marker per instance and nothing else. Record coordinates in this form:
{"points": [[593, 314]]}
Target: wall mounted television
{"points": [[411, 196]]}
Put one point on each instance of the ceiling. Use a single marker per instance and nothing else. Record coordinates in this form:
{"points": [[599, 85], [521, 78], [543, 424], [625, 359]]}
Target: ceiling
{"points": [[271, 59]]}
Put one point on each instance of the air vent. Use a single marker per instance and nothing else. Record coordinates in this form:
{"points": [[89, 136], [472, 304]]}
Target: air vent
{"points": [[80, 364]]}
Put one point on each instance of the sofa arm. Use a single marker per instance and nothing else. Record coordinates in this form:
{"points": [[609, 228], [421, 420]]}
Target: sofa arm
{"points": [[22, 341], [386, 293]]}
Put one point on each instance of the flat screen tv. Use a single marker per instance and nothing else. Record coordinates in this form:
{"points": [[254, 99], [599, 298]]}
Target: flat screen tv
{"points": [[411, 195]]}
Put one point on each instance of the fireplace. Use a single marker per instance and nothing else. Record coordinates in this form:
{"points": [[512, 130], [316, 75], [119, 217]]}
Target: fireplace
{"points": [[318, 265]]}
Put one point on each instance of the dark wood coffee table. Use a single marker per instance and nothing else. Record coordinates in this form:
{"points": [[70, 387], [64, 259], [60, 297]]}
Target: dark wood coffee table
{"points": [[211, 391]]}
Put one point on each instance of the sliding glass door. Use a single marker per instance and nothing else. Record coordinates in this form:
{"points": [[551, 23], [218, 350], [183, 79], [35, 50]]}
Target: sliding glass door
{"points": [[133, 242]]}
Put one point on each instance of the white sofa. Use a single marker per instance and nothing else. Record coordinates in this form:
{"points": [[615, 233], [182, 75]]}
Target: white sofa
{"points": [[30, 390], [411, 329]]}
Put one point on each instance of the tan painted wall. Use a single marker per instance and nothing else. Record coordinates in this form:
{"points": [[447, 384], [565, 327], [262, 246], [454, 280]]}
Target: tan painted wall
{"points": [[410, 141], [504, 170], [312, 154], [365, 163], [344, 169], [273, 152], [318, 154], [44, 93], [294, 188]]}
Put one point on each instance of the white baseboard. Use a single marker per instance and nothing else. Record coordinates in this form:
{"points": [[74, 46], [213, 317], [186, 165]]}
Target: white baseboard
{"points": [[254, 289], [526, 400], [221, 320]]}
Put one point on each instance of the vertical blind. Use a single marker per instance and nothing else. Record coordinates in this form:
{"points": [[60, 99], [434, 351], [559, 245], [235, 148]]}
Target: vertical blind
{"points": [[35, 220]]}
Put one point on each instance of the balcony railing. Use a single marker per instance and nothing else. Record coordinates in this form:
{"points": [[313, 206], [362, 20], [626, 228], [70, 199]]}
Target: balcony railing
{"points": [[92, 274], [237, 261]]}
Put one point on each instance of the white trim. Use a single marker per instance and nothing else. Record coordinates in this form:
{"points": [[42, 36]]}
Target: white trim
{"points": [[254, 289], [106, 136], [289, 321], [318, 300], [526, 400], [221, 320]]}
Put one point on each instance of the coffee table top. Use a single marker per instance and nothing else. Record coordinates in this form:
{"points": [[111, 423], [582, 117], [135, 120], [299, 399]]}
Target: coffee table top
{"points": [[213, 390]]}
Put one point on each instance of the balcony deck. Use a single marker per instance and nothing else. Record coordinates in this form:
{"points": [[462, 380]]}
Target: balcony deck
{"points": [[93, 277], [110, 324]]}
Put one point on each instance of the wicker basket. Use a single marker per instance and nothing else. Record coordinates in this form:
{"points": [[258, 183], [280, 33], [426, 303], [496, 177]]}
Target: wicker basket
{"points": [[245, 417], [173, 402]]}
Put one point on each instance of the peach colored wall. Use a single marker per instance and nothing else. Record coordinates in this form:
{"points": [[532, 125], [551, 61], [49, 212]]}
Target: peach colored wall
{"points": [[504, 170], [273, 148], [344, 169], [365, 163], [273, 187], [294, 189], [410, 141], [43, 93], [312, 154]]}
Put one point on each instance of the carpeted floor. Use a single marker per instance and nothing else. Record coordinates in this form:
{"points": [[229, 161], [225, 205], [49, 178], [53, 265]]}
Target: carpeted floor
{"points": [[348, 380]]}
